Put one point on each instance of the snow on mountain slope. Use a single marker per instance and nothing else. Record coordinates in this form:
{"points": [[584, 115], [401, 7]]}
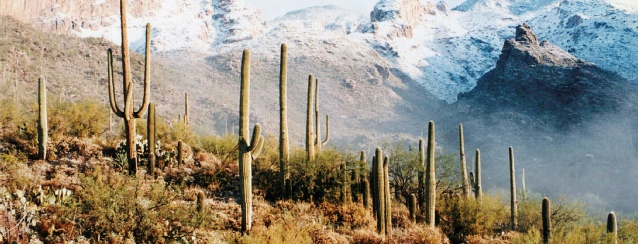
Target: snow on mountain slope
{"points": [[444, 50], [595, 31]]}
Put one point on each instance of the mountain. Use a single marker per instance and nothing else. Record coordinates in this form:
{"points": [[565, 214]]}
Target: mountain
{"points": [[444, 50], [538, 79]]}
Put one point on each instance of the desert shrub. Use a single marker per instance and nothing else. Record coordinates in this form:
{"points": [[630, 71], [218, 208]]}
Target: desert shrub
{"points": [[348, 216], [225, 147], [464, 217], [84, 118], [114, 207]]}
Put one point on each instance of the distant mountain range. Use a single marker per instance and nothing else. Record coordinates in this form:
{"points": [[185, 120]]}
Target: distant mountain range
{"points": [[446, 50]]}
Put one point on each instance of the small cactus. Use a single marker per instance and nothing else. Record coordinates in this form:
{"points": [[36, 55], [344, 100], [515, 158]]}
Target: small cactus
{"points": [[612, 227], [513, 202], [523, 185], [43, 128], [186, 109], [180, 154], [201, 205], [412, 207], [366, 194], [547, 221], [344, 184]]}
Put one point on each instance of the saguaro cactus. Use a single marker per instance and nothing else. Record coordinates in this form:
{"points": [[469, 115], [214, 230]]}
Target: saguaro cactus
{"points": [[373, 186], [466, 187], [412, 207], [387, 198], [547, 221], [186, 109], [344, 183], [513, 202], [366, 194], [318, 143], [43, 128], [612, 228], [523, 184], [150, 136], [201, 205], [379, 198], [128, 114], [421, 175], [180, 154], [247, 152], [310, 146], [476, 178], [284, 146], [430, 178]]}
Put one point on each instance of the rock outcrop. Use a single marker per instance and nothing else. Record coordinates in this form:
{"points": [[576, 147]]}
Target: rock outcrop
{"points": [[533, 78]]}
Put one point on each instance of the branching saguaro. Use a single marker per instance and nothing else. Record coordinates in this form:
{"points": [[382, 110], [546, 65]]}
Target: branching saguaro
{"points": [[284, 145], [318, 142], [247, 152], [128, 113]]}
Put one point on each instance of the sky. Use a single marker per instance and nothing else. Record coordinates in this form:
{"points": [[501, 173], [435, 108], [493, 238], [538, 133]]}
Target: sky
{"points": [[271, 9]]}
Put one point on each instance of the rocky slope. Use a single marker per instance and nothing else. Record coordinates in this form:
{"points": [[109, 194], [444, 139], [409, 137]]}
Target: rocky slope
{"points": [[536, 78]]}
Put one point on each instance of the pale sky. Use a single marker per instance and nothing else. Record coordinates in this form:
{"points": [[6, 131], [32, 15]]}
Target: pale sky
{"points": [[271, 9]]}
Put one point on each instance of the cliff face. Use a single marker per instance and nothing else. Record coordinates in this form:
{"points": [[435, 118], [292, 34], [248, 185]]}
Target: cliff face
{"points": [[62, 16], [398, 18], [533, 78]]}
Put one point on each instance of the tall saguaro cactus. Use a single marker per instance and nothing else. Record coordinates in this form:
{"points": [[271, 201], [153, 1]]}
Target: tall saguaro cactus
{"points": [[128, 112], [476, 178], [186, 109], [379, 196], [513, 202], [366, 194], [466, 187], [523, 184], [421, 175], [247, 152], [284, 145], [547, 221], [150, 135], [318, 143], [612, 228], [43, 128], [430, 178], [310, 146], [387, 197]]}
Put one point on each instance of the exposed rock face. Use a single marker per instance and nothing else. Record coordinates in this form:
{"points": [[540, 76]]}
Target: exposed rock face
{"points": [[398, 18], [541, 80], [62, 16]]}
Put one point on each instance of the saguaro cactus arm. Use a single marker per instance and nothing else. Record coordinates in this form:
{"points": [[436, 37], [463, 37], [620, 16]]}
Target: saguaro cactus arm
{"points": [[256, 142], [327, 131], [147, 75], [116, 109]]}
